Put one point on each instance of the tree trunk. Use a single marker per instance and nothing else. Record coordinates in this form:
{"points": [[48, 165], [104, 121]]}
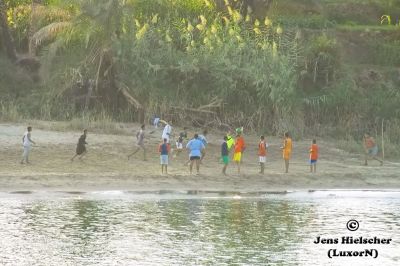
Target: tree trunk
{"points": [[6, 35]]}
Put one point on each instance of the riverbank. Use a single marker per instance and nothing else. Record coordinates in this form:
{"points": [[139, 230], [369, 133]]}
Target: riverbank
{"points": [[106, 166]]}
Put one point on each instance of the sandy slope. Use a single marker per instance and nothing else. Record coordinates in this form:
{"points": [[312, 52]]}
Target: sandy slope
{"points": [[107, 168]]}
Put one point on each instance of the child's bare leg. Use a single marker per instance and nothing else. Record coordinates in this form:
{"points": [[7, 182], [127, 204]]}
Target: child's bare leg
{"points": [[166, 169], [366, 159], [315, 168], [144, 154], [287, 166], [72, 159], [198, 166], [203, 154], [311, 168], [191, 166], [83, 154], [224, 169], [133, 153], [376, 158]]}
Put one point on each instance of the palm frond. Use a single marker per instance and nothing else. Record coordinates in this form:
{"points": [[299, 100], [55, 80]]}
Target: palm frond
{"points": [[49, 32], [55, 13]]}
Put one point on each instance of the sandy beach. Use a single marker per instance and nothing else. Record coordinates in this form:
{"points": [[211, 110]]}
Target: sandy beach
{"points": [[106, 166]]}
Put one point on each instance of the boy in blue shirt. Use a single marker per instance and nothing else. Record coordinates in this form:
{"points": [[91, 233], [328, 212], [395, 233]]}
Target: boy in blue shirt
{"points": [[196, 148]]}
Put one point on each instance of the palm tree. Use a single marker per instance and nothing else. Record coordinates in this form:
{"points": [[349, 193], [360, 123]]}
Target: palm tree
{"points": [[6, 35], [95, 26], [29, 63]]}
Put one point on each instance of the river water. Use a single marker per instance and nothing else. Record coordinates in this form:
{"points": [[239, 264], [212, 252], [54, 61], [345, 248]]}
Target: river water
{"points": [[191, 228]]}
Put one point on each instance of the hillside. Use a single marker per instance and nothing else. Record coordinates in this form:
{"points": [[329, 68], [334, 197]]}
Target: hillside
{"points": [[314, 68]]}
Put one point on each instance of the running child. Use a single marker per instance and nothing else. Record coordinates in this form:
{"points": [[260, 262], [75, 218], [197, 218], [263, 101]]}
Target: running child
{"points": [[140, 143], [81, 146], [314, 150], [262, 153], [164, 150]]}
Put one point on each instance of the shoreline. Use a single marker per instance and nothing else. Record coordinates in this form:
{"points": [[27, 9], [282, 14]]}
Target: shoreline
{"points": [[206, 194], [242, 184]]}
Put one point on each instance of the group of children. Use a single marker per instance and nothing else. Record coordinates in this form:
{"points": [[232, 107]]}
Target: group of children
{"points": [[195, 146], [198, 144], [239, 148]]}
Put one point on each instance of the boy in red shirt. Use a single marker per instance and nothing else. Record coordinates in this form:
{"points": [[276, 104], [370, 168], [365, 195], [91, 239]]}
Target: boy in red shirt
{"points": [[313, 156], [262, 153], [371, 149]]}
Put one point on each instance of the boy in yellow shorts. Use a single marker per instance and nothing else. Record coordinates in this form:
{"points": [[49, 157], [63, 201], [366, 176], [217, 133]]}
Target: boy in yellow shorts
{"points": [[238, 149]]}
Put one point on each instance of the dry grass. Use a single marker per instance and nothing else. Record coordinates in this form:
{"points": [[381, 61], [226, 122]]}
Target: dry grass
{"points": [[9, 112]]}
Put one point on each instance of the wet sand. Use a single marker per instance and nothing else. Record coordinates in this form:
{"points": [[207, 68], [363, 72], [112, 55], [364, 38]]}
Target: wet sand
{"points": [[106, 166]]}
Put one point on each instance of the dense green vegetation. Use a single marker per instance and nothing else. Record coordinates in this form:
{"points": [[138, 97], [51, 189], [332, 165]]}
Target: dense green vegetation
{"points": [[312, 67]]}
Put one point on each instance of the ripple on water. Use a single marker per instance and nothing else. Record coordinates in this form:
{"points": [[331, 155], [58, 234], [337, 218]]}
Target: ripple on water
{"points": [[21, 192], [125, 228]]}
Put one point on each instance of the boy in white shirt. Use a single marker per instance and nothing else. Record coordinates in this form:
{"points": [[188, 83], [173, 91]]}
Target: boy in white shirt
{"points": [[167, 131], [27, 144]]}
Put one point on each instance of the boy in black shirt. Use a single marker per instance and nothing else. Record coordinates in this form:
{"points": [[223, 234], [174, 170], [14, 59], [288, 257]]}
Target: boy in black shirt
{"points": [[179, 142], [81, 147]]}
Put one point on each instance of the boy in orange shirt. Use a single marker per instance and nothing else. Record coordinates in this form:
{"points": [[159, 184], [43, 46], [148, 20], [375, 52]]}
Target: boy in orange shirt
{"points": [[238, 149], [262, 153], [314, 150], [287, 150]]}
